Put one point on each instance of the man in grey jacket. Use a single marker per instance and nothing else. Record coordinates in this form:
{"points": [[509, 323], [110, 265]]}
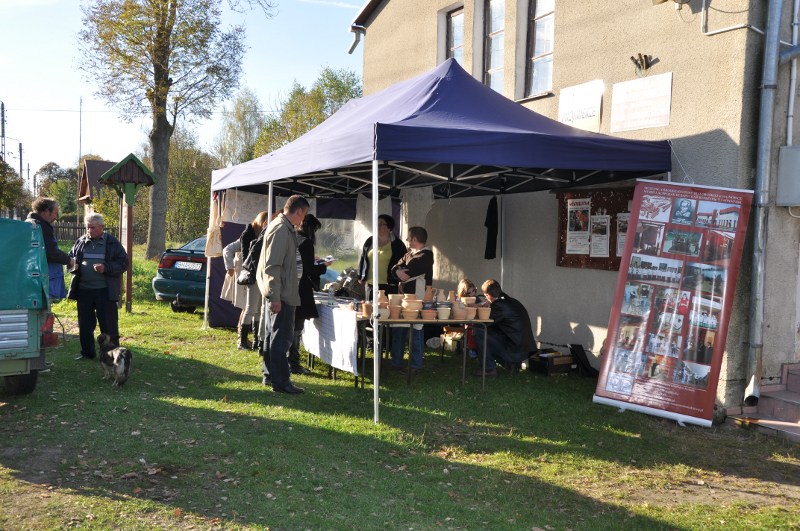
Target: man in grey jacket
{"points": [[277, 279]]}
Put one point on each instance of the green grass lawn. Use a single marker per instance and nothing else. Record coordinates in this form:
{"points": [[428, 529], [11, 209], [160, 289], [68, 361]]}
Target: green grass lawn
{"points": [[195, 441]]}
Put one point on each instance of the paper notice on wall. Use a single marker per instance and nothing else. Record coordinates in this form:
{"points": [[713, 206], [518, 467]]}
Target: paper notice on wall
{"points": [[600, 236], [578, 216], [622, 231]]}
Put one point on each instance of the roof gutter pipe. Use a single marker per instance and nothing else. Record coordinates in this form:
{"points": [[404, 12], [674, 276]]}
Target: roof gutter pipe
{"points": [[769, 85], [358, 31]]}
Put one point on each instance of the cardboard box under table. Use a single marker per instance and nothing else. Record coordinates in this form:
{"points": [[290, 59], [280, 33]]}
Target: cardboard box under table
{"points": [[551, 361]]}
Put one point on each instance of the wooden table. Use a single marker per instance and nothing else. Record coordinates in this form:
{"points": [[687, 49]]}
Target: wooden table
{"points": [[383, 323]]}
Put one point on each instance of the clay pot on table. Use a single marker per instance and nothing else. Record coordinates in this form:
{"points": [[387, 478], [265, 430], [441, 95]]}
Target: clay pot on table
{"points": [[394, 312], [484, 313], [471, 312], [443, 313], [459, 313]]}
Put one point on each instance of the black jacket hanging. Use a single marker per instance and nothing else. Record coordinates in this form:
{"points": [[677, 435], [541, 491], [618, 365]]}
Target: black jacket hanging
{"points": [[491, 230]]}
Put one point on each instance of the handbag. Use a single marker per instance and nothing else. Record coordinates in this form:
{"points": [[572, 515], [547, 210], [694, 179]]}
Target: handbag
{"points": [[246, 278]]}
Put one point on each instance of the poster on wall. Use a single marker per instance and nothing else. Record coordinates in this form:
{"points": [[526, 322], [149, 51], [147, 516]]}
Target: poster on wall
{"points": [[669, 321], [578, 216], [622, 231], [599, 243]]}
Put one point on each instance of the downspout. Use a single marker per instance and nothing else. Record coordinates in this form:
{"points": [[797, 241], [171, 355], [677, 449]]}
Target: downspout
{"points": [[358, 31], [763, 160]]}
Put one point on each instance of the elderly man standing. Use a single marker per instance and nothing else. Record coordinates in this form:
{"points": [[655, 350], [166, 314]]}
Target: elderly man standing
{"points": [[278, 280], [100, 261]]}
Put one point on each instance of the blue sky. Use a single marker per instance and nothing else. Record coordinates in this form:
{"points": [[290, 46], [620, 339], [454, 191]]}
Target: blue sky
{"points": [[42, 87]]}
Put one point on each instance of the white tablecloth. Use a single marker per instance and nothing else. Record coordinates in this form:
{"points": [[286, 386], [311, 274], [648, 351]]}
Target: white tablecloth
{"points": [[333, 337]]}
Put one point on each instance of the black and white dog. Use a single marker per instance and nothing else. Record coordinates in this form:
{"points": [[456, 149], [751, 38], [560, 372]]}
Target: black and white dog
{"points": [[116, 361]]}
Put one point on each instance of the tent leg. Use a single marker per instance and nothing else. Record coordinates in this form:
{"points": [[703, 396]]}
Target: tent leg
{"points": [[376, 349]]}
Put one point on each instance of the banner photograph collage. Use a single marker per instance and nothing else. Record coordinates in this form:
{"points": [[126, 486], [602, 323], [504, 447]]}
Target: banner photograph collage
{"points": [[667, 328]]}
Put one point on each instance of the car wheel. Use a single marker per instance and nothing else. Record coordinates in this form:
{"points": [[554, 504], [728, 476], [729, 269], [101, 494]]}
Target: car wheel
{"points": [[175, 308], [21, 384], [189, 309]]}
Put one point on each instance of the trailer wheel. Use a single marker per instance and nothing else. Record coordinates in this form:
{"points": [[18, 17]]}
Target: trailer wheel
{"points": [[21, 384]]}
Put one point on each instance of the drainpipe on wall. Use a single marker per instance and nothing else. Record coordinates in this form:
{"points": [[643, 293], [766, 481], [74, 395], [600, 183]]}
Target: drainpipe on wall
{"points": [[763, 160], [358, 31]]}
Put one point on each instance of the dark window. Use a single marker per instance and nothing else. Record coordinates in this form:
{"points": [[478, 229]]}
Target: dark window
{"points": [[493, 45], [455, 35], [539, 68]]}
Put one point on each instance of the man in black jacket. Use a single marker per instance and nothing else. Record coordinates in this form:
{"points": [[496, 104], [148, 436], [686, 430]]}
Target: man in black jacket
{"points": [[45, 212], [100, 260], [510, 337]]}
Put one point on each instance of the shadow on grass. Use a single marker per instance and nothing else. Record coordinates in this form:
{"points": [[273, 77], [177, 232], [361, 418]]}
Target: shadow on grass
{"points": [[197, 432]]}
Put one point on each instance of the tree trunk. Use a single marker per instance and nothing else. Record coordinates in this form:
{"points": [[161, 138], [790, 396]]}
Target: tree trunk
{"points": [[159, 145]]}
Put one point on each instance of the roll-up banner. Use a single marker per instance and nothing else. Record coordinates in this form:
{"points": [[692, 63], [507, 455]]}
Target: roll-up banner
{"points": [[677, 278]]}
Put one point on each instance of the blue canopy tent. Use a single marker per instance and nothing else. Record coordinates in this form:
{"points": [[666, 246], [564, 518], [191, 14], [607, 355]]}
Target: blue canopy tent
{"points": [[446, 130]]}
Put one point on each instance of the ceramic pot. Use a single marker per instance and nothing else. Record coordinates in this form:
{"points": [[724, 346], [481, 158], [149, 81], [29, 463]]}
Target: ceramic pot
{"points": [[382, 297], [395, 299], [484, 313], [410, 314], [383, 313], [451, 296], [471, 312], [428, 293], [394, 312], [468, 300], [459, 313], [440, 295], [412, 305], [443, 313], [409, 297], [428, 315], [366, 309]]}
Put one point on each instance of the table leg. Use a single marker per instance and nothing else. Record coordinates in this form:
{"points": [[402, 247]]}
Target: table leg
{"points": [[464, 359], [483, 372], [410, 342]]}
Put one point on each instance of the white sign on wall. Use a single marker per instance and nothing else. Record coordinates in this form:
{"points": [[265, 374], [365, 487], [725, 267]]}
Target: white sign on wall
{"points": [[579, 105], [641, 103]]}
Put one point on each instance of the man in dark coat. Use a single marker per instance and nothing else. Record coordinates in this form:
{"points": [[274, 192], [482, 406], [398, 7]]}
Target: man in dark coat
{"points": [[96, 283], [45, 212], [510, 337]]}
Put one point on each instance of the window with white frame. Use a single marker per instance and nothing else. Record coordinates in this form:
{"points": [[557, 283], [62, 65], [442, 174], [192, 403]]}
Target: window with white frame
{"points": [[493, 45], [455, 35], [539, 68]]}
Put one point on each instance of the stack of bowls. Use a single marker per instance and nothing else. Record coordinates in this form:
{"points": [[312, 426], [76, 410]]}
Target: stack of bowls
{"points": [[395, 299]]}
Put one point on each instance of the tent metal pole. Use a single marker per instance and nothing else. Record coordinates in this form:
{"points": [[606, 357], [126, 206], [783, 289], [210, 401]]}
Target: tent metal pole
{"points": [[502, 241], [376, 346], [270, 198], [208, 272]]}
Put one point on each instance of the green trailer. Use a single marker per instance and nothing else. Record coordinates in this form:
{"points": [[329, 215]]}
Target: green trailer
{"points": [[25, 318]]}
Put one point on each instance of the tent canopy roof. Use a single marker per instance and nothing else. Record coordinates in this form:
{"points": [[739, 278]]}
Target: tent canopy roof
{"points": [[447, 130]]}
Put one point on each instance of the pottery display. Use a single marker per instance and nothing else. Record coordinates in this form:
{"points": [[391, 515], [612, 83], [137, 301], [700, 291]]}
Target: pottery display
{"points": [[394, 312], [471, 312], [428, 315], [483, 313], [459, 313], [443, 313], [412, 305], [428, 305], [468, 300]]}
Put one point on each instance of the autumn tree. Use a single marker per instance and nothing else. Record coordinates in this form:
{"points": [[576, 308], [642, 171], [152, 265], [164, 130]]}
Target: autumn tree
{"points": [[14, 196], [304, 109], [241, 127], [60, 183], [189, 185], [166, 58]]}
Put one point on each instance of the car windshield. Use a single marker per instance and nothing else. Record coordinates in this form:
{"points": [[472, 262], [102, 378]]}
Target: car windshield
{"points": [[196, 245]]}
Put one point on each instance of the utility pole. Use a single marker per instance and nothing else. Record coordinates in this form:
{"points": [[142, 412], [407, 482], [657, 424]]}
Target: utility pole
{"points": [[3, 131], [20, 160]]}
